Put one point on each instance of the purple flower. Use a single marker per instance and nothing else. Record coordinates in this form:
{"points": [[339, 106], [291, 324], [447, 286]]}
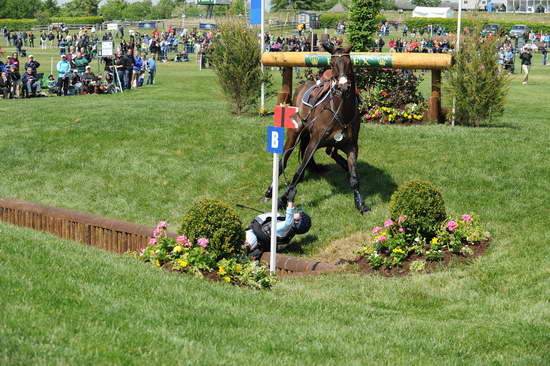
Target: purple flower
{"points": [[388, 223], [467, 218], [162, 225], [153, 241], [202, 242], [182, 240], [376, 229], [452, 225]]}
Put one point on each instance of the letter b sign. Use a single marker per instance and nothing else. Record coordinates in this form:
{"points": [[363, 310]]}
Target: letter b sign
{"points": [[275, 139]]}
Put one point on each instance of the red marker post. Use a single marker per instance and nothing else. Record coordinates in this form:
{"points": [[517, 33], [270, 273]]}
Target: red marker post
{"points": [[282, 118]]}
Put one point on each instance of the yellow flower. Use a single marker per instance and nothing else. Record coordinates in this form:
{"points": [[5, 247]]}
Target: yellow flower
{"points": [[398, 250], [227, 279], [182, 263], [384, 233], [177, 249], [157, 263], [435, 240], [238, 268], [221, 271]]}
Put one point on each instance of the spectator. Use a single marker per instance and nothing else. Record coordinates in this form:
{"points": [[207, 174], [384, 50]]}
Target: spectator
{"points": [[5, 85], [31, 82], [32, 63], [63, 74], [15, 81], [76, 83], [151, 68], [80, 62], [525, 58], [136, 70]]}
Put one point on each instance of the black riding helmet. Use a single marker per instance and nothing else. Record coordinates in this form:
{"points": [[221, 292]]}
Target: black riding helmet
{"points": [[304, 224]]}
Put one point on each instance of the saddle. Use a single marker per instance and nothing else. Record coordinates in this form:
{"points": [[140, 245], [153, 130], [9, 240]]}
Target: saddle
{"points": [[318, 92]]}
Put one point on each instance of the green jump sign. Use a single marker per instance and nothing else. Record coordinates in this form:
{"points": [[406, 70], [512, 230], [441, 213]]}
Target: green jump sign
{"points": [[358, 60]]}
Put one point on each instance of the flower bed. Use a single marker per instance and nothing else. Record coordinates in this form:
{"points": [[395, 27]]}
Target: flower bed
{"points": [[392, 250], [182, 255]]}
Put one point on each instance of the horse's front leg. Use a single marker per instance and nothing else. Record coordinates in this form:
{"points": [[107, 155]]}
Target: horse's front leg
{"points": [[308, 155], [354, 180]]}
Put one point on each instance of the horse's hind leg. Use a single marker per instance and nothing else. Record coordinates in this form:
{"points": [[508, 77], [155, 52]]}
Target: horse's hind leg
{"points": [[292, 137], [333, 153]]}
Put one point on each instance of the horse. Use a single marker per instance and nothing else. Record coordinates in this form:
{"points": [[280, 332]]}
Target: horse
{"points": [[331, 121]]}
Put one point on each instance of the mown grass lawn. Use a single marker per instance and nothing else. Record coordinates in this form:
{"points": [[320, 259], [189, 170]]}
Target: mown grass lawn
{"points": [[146, 155]]}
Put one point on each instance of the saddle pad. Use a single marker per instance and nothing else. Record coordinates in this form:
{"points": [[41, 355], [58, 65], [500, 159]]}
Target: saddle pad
{"points": [[306, 99]]}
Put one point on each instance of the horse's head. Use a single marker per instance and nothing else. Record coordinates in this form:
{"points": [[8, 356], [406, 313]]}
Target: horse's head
{"points": [[342, 68]]}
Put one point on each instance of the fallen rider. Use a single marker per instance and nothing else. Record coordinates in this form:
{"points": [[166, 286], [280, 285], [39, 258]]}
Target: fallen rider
{"points": [[258, 234]]}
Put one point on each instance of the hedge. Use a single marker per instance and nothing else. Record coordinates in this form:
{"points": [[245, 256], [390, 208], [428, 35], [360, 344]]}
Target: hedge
{"points": [[27, 24], [450, 24], [331, 20]]}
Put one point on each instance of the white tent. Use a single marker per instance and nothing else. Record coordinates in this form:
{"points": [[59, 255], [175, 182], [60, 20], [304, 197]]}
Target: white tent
{"points": [[427, 12]]}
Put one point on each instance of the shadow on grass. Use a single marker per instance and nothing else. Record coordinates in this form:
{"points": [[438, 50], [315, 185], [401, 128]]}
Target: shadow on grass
{"points": [[301, 245], [373, 181]]}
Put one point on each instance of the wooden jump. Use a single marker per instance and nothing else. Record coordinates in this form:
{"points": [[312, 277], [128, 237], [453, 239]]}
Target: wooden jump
{"points": [[412, 61]]}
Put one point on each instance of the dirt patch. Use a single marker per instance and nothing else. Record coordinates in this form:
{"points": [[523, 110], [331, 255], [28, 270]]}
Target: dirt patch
{"points": [[342, 249], [478, 248]]}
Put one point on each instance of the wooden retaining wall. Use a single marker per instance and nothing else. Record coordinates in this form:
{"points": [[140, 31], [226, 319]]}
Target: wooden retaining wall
{"points": [[115, 235]]}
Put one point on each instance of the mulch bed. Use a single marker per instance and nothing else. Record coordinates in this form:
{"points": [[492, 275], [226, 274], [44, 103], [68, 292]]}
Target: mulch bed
{"points": [[479, 249]]}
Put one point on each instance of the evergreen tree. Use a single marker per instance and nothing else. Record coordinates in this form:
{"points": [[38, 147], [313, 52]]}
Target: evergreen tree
{"points": [[363, 23]]}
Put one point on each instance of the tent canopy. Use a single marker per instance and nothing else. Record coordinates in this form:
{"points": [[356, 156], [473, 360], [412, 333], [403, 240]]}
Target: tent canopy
{"points": [[428, 12]]}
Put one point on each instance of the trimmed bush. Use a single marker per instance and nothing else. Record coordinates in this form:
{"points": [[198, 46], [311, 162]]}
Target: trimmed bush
{"points": [[420, 205], [27, 24], [216, 221]]}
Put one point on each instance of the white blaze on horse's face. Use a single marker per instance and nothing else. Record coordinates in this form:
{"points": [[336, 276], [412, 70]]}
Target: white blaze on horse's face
{"points": [[342, 80]]}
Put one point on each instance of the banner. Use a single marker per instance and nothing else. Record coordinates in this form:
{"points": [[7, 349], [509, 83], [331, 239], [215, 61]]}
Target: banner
{"points": [[106, 48], [256, 11]]}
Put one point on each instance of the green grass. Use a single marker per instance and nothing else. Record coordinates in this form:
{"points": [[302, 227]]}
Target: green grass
{"points": [[147, 154]]}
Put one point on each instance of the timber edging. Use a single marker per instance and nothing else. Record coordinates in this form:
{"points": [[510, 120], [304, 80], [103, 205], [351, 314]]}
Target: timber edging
{"points": [[116, 235]]}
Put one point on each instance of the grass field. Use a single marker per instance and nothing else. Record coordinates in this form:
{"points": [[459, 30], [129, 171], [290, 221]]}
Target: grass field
{"points": [[145, 155]]}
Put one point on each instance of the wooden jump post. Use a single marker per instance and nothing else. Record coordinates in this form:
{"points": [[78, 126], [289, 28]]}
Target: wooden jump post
{"points": [[412, 61]]}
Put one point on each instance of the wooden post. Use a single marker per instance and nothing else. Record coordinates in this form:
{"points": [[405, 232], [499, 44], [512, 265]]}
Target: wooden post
{"points": [[285, 95], [434, 104]]}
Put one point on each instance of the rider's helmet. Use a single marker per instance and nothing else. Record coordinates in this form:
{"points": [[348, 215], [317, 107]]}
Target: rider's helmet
{"points": [[304, 223]]}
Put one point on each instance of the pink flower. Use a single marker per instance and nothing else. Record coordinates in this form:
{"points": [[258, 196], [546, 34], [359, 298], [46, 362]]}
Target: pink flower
{"points": [[141, 251], [401, 219], [401, 230], [153, 241], [388, 223], [182, 240], [368, 116], [376, 229], [156, 232], [467, 218], [381, 238], [452, 225], [162, 225], [202, 242]]}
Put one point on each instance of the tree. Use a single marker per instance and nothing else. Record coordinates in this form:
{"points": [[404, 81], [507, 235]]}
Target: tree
{"points": [[164, 9], [18, 9], [363, 23], [426, 2], [50, 7], [475, 81], [80, 8], [139, 10], [237, 7], [113, 9], [295, 4]]}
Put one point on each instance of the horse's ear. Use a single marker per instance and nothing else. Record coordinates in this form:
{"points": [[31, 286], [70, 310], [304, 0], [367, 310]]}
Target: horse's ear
{"points": [[329, 47], [347, 49]]}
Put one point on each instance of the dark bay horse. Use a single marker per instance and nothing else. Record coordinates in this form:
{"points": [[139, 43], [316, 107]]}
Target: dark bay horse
{"points": [[332, 123]]}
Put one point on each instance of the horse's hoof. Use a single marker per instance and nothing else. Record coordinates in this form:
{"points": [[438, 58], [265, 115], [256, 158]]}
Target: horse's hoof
{"points": [[364, 210]]}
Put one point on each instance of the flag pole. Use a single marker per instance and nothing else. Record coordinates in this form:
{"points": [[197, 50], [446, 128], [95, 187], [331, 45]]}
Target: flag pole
{"points": [[457, 49]]}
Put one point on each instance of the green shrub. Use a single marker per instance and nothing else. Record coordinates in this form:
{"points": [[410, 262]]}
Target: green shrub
{"points": [[331, 20], [217, 222], [420, 205], [475, 81], [235, 56]]}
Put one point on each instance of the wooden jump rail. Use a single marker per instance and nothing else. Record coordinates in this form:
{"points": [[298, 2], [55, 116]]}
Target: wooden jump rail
{"points": [[414, 61], [115, 235]]}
